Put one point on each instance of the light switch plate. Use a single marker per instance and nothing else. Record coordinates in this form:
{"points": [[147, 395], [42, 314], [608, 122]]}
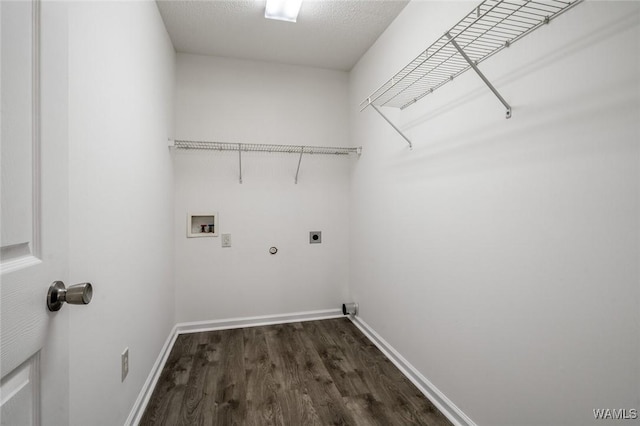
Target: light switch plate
{"points": [[226, 240]]}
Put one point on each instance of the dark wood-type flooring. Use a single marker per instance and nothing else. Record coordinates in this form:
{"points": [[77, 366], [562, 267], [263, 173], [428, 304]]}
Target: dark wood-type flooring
{"points": [[307, 373]]}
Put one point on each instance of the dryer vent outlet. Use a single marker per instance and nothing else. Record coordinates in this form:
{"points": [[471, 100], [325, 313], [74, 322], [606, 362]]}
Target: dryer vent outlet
{"points": [[349, 309]]}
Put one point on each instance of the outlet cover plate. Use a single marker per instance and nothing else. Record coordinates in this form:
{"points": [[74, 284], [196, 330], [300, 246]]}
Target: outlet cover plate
{"points": [[124, 358], [315, 237]]}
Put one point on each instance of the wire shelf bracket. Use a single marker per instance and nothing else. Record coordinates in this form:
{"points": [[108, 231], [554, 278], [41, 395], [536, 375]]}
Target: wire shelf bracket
{"points": [[393, 125], [244, 147], [483, 32], [480, 74], [240, 161], [299, 161]]}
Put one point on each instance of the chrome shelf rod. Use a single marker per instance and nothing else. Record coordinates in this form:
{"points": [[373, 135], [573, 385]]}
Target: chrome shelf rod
{"points": [[255, 147]]}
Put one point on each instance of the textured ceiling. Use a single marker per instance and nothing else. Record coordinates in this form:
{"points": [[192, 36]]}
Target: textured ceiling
{"points": [[329, 33]]}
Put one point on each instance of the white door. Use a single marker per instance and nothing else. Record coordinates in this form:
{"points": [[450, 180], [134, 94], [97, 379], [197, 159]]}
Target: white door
{"points": [[34, 204]]}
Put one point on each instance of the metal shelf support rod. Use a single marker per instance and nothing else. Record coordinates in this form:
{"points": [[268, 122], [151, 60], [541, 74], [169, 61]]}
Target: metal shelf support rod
{"points": [[299, 161], [480, 74], [240, 160], [393, 125]]}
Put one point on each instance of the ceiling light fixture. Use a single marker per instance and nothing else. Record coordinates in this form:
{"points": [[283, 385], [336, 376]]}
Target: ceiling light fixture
{"points": [[283, 10]]}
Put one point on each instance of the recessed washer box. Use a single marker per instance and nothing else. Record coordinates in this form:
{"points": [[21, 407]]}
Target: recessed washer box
{"points": [[315, 237], [202, 225]]}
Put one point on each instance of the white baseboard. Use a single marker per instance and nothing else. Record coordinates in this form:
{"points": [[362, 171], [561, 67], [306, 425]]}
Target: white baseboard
{"points": [[196, 327], [444, 404], [228, 324]]}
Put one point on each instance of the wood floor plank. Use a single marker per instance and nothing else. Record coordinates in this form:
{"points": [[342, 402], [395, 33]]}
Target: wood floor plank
{"points": [[312, 373], [367, 359], [192, 401], [401, 396], [166, 399], [230, 391], [276, 351], [369, 411], [339, 366], [198, 399], [262, 387], [320, 386], [211, 366], [298, 408], [298, 364]]}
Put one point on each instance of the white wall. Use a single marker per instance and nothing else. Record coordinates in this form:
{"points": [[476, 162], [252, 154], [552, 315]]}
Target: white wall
{"points": [[121, 76], [230, 100], [507, 266]]}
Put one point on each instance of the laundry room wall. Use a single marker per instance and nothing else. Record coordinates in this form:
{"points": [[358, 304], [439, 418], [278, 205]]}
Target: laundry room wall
{"points": [[121, 80], [504, 265], [231, 100]]}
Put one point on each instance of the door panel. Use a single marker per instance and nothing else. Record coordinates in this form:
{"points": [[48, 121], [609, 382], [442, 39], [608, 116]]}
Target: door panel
{"points": [[34, 237], [19, 140], [19, 148], [20, 394]]}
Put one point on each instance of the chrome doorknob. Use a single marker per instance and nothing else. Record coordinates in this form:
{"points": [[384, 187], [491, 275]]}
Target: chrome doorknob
{"points": [[79, 294]]}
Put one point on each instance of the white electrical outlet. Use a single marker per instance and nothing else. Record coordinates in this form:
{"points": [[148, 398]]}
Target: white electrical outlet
{"points": [[226, 240], [124, 357]]}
